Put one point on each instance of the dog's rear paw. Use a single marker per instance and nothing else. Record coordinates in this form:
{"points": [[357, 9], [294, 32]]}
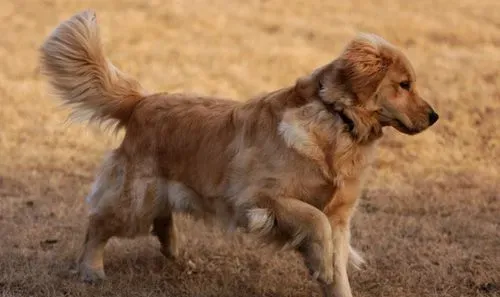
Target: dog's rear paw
{"points": [[90, 275]]}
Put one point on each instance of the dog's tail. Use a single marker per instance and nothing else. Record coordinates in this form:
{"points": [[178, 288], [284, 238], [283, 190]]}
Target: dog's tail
{"points": [[72, 57]]}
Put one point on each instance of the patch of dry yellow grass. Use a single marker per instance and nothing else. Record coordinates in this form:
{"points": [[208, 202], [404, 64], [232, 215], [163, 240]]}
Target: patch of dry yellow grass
{"points": [[429, 221]]}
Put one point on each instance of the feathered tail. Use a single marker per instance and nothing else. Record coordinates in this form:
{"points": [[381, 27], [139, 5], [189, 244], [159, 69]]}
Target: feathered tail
{"points": [[73, 59]]}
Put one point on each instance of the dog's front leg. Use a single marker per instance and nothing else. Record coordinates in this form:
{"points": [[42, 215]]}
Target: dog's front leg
{"points": [[340, 286], [301, 226], [341, 245], [339, 212]]}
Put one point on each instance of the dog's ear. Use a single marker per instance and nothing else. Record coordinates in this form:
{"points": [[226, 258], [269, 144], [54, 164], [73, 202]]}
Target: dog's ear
{"points": [[364, 64], [355, 75], [310, 85], [328, 83]]}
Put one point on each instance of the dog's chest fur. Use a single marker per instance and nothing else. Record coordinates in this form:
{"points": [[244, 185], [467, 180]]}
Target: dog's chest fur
{"points": [[314, 134]]}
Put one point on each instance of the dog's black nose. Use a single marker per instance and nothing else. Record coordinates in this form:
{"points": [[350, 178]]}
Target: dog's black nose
{"points": [[433, 117]]}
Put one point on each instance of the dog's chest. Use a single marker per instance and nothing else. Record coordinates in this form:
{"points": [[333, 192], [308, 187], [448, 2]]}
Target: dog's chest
{"points": [[349, 160], [338, 160], [334, 152]]}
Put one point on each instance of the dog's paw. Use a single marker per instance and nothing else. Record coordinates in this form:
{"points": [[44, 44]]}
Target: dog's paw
{"points": [[91, 275], [170, 252], [321, 272], [356, 259], [324, 276]]}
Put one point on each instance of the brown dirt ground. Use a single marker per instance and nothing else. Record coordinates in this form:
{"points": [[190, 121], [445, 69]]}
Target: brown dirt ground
{"points": [[429, 221]]}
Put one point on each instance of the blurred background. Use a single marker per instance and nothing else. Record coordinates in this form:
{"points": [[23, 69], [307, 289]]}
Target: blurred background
{"points": [[429, 220]]}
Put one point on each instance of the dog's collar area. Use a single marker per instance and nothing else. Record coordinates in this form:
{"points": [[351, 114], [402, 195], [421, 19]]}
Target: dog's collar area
{"points": [[347, 121], [330, 107]]}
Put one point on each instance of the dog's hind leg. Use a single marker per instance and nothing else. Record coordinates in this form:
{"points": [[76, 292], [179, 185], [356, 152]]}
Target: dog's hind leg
{"points": [[166, 231], [122, 203], [173, 197], [103, 223], [91, 262]]}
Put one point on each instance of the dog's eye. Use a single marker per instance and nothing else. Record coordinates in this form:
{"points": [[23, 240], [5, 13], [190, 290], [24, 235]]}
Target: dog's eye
{"points": [[405, 85]]}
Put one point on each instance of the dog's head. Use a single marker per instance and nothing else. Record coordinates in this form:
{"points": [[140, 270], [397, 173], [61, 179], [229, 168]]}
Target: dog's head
{"points": [[376, 81]]}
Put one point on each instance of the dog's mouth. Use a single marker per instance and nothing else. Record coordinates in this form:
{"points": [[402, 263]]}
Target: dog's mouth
{"points": [[396, 124]]}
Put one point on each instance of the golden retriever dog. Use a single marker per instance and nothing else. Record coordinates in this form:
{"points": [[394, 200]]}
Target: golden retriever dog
{"points": [[287, 166]]}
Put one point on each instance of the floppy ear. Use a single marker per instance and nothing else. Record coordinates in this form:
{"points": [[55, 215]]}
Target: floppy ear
{"points": [[310, 85], [365, 62], [330, 84], [354, 76]]}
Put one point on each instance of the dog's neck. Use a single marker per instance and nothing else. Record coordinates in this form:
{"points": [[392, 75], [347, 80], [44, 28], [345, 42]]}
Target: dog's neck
{"points": [[311, 127], [348, 122], [360, 123]]}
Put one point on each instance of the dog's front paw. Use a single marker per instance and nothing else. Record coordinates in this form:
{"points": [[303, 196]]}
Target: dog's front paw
{"points": [[91, 275], [324, 275]]}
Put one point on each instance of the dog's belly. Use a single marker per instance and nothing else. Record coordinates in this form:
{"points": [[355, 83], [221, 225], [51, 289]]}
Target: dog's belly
{"points": [[180, 198], [232, 208]]}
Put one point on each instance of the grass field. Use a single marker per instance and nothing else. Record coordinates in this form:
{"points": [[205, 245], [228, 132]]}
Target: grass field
{"points": [[429, 220]]}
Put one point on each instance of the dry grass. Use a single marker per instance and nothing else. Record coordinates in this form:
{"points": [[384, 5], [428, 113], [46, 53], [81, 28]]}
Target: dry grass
{"points": [[429, 221]]}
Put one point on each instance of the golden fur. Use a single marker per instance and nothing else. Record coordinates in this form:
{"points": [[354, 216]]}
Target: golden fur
{"points": [[287, 166]]}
